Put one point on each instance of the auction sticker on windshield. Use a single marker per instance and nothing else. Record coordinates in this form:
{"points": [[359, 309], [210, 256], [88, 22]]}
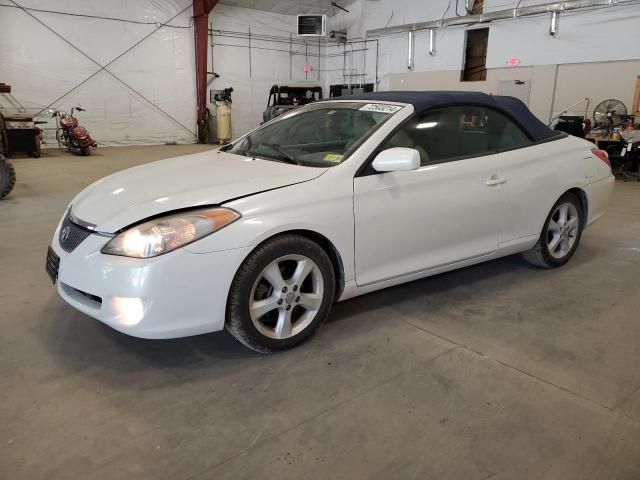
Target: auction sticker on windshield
{"points": [[333, 157], [381, 107]]}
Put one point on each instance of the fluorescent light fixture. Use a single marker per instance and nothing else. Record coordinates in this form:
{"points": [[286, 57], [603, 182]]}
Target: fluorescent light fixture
{"points": [[427, 125]]}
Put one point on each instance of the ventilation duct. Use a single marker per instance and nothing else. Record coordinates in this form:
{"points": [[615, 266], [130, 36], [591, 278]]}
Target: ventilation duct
{"points": [[432, 41], [553, 28], [312, 25], [411, 50]]}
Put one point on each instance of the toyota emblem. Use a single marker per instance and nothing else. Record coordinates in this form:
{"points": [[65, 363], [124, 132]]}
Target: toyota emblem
{"points": [[64, 234]]}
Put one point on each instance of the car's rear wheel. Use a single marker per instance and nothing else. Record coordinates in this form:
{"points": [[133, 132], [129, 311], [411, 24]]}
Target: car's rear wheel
{"points": [[280, 294], [560, 235]]}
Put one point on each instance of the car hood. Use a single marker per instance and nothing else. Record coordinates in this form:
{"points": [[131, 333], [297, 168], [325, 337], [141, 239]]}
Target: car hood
{"points": [[207, 178]]}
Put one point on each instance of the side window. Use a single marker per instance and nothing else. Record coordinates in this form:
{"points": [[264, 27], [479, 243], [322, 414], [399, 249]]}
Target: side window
{"points": [[503, 133], [452, 132]]}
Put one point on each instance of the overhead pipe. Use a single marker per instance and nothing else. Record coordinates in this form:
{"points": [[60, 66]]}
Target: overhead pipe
{"points": [[515, 10], [410, 51], [525, 11], [553, 27], [432, 41]]}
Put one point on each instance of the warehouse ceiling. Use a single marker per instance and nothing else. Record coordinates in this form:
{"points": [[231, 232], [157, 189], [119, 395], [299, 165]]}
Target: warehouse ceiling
{"points": [[291, 7]]}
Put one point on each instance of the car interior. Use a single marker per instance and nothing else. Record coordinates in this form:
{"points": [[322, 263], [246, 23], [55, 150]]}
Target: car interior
{"points": [[455, 132]]}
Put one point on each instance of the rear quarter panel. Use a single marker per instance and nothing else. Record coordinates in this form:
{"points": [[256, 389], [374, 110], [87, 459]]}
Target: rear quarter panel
{"points": [[538, 176]]}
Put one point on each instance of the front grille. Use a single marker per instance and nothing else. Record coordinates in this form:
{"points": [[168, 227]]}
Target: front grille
{"points": [[72, 235]]}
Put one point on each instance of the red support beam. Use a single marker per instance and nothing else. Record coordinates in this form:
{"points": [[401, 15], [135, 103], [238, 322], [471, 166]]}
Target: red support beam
{"points": [[201, 10]]}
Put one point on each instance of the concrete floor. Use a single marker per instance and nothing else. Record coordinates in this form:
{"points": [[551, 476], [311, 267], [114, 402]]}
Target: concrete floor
{"points": [[498, 371]]}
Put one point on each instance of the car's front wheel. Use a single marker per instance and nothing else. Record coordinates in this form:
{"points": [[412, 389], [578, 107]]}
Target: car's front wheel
{"points": [[560, 235], [280, 294]]}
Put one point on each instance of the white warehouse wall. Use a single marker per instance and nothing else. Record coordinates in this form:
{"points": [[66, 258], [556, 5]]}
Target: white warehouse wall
{"points": [[584, 36], [252, 73], [596, 42], [41, 67]]}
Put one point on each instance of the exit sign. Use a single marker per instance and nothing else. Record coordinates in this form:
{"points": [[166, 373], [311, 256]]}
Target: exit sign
{"points": [[307, 68], [513, 61]]}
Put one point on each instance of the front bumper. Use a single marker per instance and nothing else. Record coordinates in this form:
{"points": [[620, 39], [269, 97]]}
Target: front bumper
{"points": [[174, 295]]}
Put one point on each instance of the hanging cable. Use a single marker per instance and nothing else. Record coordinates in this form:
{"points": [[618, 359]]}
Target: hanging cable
{"points": [[97, 17]]}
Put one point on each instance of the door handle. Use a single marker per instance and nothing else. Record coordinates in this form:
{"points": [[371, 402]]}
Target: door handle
{"points": [[495, 180]]}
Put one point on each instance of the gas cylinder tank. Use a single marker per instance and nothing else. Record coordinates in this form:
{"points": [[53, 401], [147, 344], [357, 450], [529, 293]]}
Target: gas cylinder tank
{"points": [[223, 121]]}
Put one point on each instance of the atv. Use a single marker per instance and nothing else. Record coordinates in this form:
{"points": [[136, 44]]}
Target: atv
{"points": [[284, 97], [7, 177]]}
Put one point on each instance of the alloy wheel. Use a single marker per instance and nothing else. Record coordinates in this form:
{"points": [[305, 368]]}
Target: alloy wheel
{"points": [[563, 229], [286, 296]]}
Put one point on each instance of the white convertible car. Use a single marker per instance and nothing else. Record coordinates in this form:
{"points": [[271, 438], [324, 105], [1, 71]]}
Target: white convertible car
{"points": [[332, 200]]}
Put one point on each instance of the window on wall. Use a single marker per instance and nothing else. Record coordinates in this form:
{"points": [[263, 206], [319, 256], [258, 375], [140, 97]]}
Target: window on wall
{"points": [[475, 55]]}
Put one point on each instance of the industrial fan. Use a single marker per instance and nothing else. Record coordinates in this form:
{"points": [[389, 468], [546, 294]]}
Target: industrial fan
{"points": [[610, 113]]}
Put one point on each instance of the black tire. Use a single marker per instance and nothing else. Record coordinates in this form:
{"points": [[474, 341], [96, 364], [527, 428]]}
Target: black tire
{"points": [[7, 177], [540, 255], [86, 151], [38, 151], [4, 141], [238, 317]]}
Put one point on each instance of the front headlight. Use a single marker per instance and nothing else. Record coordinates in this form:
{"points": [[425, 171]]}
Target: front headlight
{"points": [[165, 234]]}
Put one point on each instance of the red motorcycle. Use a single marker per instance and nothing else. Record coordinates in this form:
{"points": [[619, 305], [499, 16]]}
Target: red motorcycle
{"points": [[70, 134]]}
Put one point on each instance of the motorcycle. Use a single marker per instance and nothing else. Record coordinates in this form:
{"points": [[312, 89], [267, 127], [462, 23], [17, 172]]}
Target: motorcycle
{"points": [[70, 134], [7, 177]]}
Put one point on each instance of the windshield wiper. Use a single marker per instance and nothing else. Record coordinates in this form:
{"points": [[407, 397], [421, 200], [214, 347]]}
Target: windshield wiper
{"points": [[285, 155]]}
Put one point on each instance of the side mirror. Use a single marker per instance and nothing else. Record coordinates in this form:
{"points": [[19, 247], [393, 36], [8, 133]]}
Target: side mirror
{"points": [[397, 159]]}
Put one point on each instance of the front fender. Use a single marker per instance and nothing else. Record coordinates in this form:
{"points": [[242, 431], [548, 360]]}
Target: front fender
{"points": [[320, 206]]}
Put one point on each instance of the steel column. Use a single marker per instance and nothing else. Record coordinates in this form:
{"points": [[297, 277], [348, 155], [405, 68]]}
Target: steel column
{"points": [[201, 10]]}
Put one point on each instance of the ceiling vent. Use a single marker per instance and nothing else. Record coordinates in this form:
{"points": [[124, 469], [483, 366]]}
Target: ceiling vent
{"points": [[312, 25]]}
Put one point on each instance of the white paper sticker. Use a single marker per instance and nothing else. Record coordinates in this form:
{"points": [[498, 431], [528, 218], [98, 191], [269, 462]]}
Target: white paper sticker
{"points": [[380, 107]]}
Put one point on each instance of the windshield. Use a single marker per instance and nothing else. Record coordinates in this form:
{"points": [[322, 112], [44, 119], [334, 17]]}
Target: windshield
{"points": [[319, 135]]}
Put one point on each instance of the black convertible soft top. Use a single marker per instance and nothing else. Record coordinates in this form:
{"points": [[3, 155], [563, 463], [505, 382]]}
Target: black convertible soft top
{"points": [[421, 101]]}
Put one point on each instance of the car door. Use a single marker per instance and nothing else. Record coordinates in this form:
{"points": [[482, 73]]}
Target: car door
{"points": [[451, 209]]}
